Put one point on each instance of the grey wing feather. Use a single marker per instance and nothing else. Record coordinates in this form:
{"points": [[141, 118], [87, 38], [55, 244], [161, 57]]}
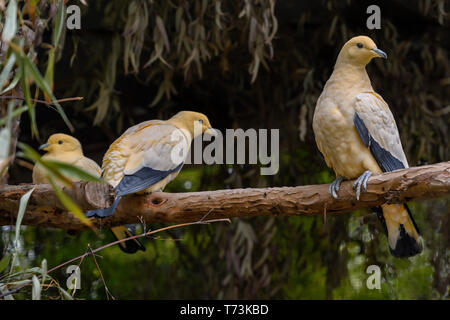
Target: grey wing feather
{"points": [[376, 126], [384, 158], [141, 180]]}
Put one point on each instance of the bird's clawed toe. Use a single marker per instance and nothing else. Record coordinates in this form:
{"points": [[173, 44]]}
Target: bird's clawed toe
{"points": [[334, 187], [361, 182]]}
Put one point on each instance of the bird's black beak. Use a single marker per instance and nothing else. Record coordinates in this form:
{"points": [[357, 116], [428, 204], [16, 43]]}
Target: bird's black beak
{"points": [[380, 53], [43, 147]]}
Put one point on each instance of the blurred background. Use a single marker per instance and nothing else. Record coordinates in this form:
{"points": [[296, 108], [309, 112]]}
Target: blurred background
{"points": [[245, 64]]}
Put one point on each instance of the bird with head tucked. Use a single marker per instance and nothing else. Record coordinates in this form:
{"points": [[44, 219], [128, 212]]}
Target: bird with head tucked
{"points": [[65, 148], [357, 135], [147, 156]]}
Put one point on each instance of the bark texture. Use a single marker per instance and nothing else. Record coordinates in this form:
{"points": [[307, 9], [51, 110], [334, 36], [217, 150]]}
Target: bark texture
{"points": [[44, 208]]}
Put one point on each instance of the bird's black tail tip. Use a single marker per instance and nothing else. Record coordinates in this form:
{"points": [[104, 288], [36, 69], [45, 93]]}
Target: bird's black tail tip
{"points": [[132, 246], [129, 246], [406, 245]]}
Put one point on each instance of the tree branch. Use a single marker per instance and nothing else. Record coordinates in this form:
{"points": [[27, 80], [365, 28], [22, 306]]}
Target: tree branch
{"points": [[44, 208]]}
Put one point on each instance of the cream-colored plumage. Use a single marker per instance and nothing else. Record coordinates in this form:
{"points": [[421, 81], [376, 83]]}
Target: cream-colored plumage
{"points": [[147, 156], [148, 144], [347, 90], [151, 144], [348, 99], [64, 148]]}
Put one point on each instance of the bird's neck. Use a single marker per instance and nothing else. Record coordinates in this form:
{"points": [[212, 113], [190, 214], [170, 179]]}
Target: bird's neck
{"points": [[70, 156], [351, 77], [188, 131]]}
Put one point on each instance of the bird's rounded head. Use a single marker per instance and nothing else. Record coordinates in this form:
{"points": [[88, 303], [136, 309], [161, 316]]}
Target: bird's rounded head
{"points": [[194, 122], [59, 143], [358, 51]]}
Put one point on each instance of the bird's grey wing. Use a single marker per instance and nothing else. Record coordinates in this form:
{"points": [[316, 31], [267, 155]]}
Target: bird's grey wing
{"points": [[163, 151], [378, 131]]}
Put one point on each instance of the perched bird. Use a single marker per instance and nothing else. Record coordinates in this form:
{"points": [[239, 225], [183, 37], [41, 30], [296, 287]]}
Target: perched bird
{"points": [[65, 148], [357, 135], [147, 156]]}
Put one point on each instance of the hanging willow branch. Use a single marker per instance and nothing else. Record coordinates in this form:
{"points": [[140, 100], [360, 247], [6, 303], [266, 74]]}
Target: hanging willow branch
{"points": [[44, 208]]}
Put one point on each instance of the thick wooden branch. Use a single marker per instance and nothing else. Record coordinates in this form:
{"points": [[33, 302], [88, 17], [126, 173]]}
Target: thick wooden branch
{"points": [[44, 208]]}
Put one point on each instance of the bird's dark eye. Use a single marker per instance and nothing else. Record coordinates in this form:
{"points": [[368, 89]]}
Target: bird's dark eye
{"points": [[201, 121], [359, 45], [60, 142]]}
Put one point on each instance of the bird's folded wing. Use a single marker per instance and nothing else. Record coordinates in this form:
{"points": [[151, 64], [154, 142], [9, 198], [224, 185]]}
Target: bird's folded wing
{"points": [[377, 128], [141, 126], [158, 150], [90, 166]]}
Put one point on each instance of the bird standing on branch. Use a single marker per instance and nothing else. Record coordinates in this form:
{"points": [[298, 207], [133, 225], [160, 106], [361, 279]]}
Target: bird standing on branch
{"points": [[147, 156], [357, 135], [64, 148]]}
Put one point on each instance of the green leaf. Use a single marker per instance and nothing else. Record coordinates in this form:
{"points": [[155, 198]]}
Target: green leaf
{"points": [[59, 23], [5, 262], [20, 282], [65, 294], [10, 27], [12, 84], [5, 137], [14, 114], [3, 290], [27, 94], [36, 291], [22, 206], [69, 204], [49, 73], [73, 171], [34, 73], [7, 69], [43, 271]]}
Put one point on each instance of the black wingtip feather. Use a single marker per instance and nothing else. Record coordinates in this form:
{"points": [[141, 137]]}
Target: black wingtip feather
{"points": [[384, 158], [362, 130]]}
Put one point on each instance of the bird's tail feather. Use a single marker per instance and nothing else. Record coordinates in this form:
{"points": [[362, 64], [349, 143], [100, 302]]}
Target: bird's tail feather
{"points": [[401, 229], [114, 205], [129, 246], [102, 213]]}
